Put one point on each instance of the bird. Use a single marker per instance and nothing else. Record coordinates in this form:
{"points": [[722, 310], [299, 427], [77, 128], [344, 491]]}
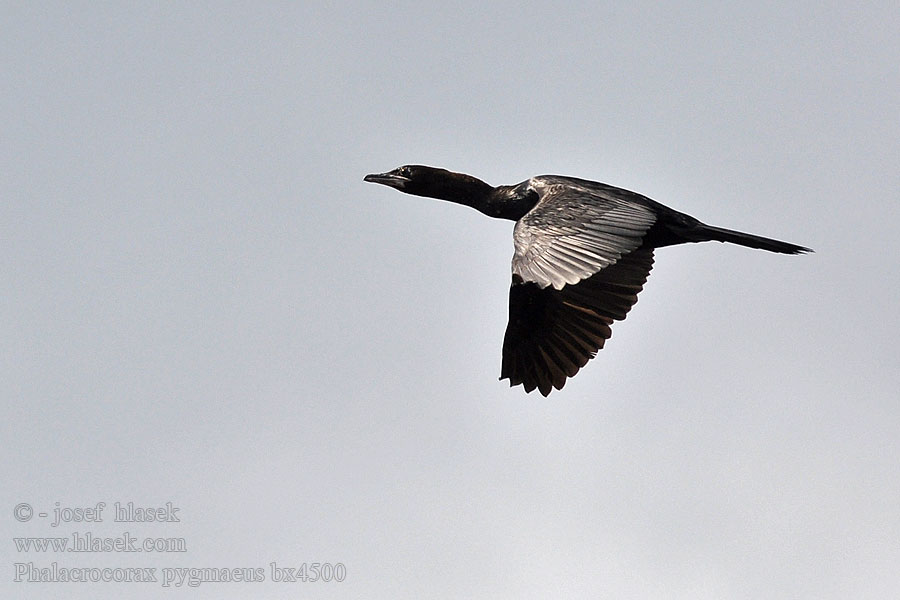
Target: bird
{"points": [[583, 250]]}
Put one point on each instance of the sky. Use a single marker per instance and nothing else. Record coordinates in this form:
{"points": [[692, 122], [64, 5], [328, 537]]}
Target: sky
{"points": [[206, 310]]}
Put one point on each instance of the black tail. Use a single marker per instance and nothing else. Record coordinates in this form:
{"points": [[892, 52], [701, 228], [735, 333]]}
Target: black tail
{"points": [[717, 234]]}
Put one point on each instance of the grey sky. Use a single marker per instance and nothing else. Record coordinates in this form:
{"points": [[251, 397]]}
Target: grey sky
{"points": [[205, 305]]}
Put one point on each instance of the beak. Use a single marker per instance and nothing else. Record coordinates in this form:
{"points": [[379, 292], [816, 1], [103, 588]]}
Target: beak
{"points": [[389, 179]]}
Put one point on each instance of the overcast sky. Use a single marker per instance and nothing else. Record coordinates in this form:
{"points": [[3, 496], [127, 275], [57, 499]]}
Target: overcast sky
{"points": [[203, 303]]}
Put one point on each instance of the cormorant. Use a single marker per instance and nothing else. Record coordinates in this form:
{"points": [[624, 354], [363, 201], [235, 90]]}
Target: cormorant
{"points": [[583, 251]]}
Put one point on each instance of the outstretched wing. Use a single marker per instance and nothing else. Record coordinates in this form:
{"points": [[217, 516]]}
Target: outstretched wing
{"points": [[578, 266]]}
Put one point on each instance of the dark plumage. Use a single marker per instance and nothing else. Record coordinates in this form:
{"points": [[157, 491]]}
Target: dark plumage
{"points": [[583, 251]]}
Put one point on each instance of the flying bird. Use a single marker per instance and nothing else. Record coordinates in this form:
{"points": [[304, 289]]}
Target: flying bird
{"points": [[583, 251]]}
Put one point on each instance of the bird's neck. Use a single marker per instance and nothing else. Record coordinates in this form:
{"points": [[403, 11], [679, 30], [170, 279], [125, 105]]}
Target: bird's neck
{"points": [[461, 189], [503, 202]]}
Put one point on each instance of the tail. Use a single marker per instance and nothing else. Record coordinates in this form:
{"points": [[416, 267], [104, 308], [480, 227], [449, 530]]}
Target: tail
{"points": [[718, 234]]}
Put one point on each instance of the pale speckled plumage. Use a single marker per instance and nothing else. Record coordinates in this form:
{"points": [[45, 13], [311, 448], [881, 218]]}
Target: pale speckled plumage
{"points": [[574, 231]]}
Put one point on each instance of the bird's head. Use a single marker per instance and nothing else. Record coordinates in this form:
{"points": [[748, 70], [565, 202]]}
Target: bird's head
{"points": [[432, 182], [418, 180]]}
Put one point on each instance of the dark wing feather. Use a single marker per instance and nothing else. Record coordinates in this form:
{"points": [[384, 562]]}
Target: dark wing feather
{"points": [[553, 333], [576, 229]]}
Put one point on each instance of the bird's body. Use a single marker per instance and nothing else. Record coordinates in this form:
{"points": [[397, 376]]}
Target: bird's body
{"points": [[583, 251]]}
